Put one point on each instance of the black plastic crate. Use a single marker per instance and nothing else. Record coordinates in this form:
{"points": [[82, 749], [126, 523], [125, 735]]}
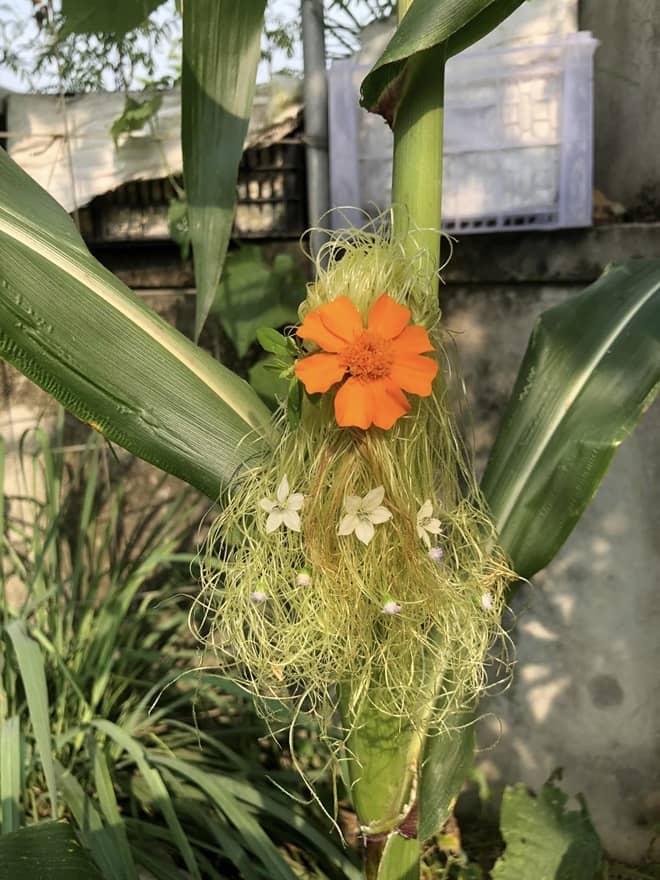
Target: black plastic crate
{"points": [[271, 201]]}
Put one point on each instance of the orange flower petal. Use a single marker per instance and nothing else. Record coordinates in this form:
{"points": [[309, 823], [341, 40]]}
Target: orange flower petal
{"points": [[318, 372], [389, 403], [387, 318], [413, 340], [313, 328], [354, 404], [414, 373], [341, 318]]}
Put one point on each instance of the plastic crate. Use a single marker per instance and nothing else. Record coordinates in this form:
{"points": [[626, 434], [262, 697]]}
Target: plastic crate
{"points": [[271, 201], [518, 146], [271, 192]]}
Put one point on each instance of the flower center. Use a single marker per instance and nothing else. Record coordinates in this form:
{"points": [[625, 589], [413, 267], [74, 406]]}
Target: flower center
{"points": [[368, 357]]}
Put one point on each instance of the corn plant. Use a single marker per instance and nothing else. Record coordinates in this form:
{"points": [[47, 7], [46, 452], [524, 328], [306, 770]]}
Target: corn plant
{"points": [[591, 369]]}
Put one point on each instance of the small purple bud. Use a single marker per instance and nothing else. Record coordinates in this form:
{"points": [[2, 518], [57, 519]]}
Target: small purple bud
{"points": [[436, 553], [390, 608]]}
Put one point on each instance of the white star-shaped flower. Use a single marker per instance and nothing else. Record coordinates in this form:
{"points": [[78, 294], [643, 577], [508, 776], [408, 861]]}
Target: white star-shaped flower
{"points": [[362, 514], [427, 524], [283, 511]]}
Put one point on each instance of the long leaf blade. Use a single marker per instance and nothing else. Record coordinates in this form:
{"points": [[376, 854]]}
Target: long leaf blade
{"points": [[73, 328], [253, 835], [426, 26], [221, 51], [11, 773], [591, 370], [448, 755], [99, 839], [33, 674], [158, 789]]}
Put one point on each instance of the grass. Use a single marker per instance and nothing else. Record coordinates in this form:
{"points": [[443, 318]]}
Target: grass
{"points": [[161, 771]]}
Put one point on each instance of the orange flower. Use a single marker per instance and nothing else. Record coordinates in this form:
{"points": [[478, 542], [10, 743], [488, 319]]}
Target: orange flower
{"points": [[378, 363]]}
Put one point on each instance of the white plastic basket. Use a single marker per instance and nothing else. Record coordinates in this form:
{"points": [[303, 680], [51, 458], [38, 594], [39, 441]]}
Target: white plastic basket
{"points": [[518, 149]]}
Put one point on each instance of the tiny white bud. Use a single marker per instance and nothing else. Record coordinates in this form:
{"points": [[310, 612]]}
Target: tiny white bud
{"points": [[303, 579], [487, 601], [436, 553], [390, 608], [258, 596]]}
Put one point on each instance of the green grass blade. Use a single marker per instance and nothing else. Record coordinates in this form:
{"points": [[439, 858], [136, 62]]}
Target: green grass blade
{"points": [[158, 789], [221, 51], [47, 850], [591, 370], [99, 839], [106, 794], [282, 809], [11, 773], [78, 332], [253, 835], [33, 674]]}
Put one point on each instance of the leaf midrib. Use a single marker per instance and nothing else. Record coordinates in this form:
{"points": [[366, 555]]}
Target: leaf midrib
{"points": [[577, 387], [95, 282]]}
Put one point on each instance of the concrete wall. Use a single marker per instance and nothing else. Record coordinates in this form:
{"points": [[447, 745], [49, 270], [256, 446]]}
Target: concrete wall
{"points": [[584, 694], [626, 82]]}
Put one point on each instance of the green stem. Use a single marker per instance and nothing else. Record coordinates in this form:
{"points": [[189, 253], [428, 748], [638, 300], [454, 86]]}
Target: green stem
{"points": [[384, 751], [417, 169]]}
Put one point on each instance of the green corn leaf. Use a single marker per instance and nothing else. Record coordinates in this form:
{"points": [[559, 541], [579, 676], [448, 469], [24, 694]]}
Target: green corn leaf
{"points": [[447, 757], [49, 851], [73, 328], [428, 25], [114, 17], [11, 773], [591, 369], [400, 859], [33, 674], [221, 51]]}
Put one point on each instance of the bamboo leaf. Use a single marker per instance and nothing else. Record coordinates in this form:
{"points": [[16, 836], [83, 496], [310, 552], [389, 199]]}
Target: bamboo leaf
{"points": [[115, 17], [73, 328], [591, 369], [221, 51], [48, 850], [427, 25], [33, 674]]}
